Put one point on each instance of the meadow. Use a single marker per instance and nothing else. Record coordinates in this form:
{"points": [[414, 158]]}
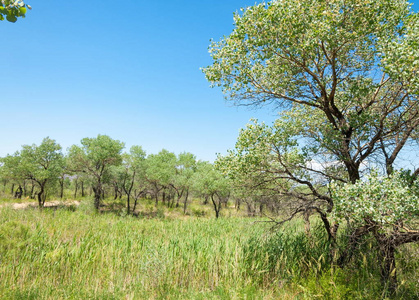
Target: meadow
{"points": [[71, 252]]}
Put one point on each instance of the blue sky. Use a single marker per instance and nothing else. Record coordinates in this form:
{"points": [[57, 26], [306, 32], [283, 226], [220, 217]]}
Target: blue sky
{"points": [[128, 69]]}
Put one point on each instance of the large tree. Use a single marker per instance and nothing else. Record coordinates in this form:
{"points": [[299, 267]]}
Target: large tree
{"points": [[94, 158], [344, 75]]}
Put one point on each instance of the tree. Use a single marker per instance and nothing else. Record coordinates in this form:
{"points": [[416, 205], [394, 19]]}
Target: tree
{"points": [[42, 164], [161, 169], [185, 169], [94, 158], [12, 10], [132, 175], [344, 75], [211, 183], [386, 206]]}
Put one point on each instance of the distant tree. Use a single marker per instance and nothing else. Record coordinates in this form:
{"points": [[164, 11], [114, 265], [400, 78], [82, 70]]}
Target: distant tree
{"points": [[10, 171], [41, 164], [63, 177], [185, 169], [132, 175], [160, 172], [211, 183], [94, 158], [12, 10]]}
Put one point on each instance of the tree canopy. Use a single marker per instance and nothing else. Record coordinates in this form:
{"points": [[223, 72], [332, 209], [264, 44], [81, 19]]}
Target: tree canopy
{"points": [[94, 158]]}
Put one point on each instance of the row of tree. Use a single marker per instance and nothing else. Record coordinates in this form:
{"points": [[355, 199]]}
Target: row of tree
{"points": [[100, 164]]}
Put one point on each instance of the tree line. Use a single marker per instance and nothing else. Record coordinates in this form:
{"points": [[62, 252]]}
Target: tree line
{"points": [[100, 166]]}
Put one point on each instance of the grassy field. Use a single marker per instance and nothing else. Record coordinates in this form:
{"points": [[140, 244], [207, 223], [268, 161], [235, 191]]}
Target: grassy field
{"points": [[75, 253]]}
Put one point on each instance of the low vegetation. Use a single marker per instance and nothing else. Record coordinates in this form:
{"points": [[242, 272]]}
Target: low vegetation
{"points": [[74, 252]]}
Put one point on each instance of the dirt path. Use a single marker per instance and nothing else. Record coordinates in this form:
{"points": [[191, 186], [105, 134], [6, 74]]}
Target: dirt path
{"points": [[24, 205]]}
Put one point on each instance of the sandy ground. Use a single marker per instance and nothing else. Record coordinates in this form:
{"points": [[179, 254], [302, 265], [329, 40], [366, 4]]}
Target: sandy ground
{"points": [[24, 205]]}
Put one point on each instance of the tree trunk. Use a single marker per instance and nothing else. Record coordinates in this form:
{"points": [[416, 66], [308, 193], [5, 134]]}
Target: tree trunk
{"points": [[128, 198], [115, 191], [25, 192], [62, 188], [185, 202], [237, 204], [41, 199], [82, 189], [18, 193], [216, 207], [75, 188], [98, 196], [388, 267], [32, 188]]}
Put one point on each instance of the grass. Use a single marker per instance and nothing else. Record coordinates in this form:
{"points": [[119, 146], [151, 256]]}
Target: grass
{"points": [[72, 253], [64, 254]]}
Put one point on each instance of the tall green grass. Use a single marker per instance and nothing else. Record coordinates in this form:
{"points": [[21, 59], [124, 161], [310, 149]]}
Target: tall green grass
{"points": [[67, 254], [63, 254]]}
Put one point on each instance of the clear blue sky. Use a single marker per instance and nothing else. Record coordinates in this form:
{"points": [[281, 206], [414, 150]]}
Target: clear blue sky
{"points": [[128, 69]]}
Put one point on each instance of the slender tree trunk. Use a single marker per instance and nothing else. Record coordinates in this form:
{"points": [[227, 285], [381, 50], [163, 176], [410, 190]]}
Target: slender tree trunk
{"points": [[217, 206], [185, 202], [388, 267], [41, 199], [115, 190], [32, 189], [135, 204], [62, 188], [13, 189], [18, 193], [24, 188], [82, 189], [237, 204], [75, 188]]}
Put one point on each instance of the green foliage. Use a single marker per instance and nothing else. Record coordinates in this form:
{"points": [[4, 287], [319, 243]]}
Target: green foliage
{"points": [[12, 10], [95, 158], [387, 201], [208, 180], [41, 164], [161, 167], [276, 46]]}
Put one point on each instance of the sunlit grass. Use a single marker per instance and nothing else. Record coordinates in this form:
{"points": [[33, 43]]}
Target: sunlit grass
{"points": [[66, 254]]}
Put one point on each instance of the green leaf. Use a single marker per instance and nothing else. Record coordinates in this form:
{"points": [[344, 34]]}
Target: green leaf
{"points": [[11, 18]]}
